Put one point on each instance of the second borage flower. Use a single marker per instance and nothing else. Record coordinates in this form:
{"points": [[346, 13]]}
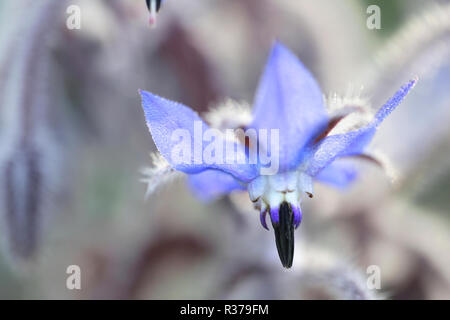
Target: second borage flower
{"points": [[290, 101]]}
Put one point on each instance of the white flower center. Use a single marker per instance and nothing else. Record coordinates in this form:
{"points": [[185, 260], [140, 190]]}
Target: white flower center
{"points": [[271, 191]]}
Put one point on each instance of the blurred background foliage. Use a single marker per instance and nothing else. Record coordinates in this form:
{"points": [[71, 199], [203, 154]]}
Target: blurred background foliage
{"points": [[89, 139]]}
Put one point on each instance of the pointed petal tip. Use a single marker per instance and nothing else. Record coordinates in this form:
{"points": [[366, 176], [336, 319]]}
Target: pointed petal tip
{"points": [[279, 49], [411, 84], [278, 45], [145, 94], [393, 102], [288, 88]]}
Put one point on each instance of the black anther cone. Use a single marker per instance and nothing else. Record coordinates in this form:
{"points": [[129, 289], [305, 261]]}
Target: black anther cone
{"points": [[284, 234]]}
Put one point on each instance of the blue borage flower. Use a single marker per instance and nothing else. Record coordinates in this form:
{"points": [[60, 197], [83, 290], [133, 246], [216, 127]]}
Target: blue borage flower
{"points": [[290, 100]]}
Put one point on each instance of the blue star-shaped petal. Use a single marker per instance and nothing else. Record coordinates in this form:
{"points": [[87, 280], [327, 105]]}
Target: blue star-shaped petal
{"points": [[290, 101]]}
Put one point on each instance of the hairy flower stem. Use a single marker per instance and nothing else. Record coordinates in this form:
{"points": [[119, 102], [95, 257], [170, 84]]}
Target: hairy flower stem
{"points": [[29, 156]]}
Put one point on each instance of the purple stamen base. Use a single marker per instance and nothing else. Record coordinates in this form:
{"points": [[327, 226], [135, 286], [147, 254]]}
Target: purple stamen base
{"points": [[297, 216], [262, 218], [274, 215]]}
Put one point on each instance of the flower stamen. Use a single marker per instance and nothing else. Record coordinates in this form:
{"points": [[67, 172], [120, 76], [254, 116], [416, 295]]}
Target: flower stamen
{"points": [[283, 225]]}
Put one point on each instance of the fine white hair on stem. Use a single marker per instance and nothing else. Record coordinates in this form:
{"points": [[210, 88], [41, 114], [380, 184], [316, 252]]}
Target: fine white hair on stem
{"points": [[336, 278], [389, 168], [31, 156], [353, 106], [159, 174], [420, 45], [346, 284], [353, 98], [357, 112], [229, 114]]}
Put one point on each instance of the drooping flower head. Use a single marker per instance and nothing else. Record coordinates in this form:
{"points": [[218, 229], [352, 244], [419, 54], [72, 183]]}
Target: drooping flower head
{"points": [[290, 126]]}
